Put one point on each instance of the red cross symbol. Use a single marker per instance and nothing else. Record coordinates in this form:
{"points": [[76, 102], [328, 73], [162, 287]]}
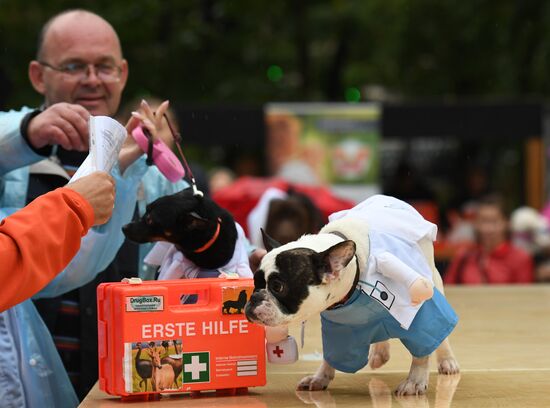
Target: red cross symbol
{"points": [[278, 351]]}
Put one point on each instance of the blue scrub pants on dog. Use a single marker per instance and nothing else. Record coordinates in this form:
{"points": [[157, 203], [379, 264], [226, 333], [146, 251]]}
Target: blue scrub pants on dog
{"points": [[349, 330]]}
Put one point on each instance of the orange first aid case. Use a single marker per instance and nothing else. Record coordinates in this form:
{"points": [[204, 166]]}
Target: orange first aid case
{"points": [[185, 335]]}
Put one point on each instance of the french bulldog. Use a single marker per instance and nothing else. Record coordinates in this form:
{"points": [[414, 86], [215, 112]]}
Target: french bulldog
{"points": [[358, 272]]}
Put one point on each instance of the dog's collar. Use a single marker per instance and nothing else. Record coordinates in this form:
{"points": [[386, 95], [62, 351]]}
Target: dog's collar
{"points": [[339, 234], [211, 240], [355, 280]]}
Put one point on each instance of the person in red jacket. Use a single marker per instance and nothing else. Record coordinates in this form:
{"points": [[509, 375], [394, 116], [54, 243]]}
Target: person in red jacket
{"points": [[38, 241], [492, 258]]}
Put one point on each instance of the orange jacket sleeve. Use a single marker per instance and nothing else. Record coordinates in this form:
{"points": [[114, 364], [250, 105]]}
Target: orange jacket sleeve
{"points": [[38, 241]]}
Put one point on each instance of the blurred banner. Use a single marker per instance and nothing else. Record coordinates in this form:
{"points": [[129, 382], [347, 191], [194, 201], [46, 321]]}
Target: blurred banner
{"points": [[326, 144]]}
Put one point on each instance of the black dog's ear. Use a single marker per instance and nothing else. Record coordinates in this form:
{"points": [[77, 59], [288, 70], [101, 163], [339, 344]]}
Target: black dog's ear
{"points": [[193, 220], [335, 259], [269, 243], [197, 216]]}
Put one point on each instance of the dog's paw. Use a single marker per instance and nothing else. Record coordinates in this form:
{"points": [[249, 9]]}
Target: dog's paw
{"points": [[379, 356], [410, 387], [448, 366], [313, 383]]}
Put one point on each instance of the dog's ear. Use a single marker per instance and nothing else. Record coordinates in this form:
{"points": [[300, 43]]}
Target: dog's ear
{"points": [[197, 216], [269, 243], [193, 221], [335, 259]]}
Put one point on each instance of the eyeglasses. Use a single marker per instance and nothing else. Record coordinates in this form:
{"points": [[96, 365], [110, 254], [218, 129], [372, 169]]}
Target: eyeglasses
{"points": [[79, 70]]}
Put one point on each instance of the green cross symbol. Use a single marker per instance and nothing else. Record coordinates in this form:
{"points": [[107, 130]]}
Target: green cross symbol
{"points": [[196, 367]]}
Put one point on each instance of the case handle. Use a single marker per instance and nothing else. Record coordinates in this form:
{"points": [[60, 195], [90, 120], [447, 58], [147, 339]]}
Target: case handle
{"points": [[192, 295]]}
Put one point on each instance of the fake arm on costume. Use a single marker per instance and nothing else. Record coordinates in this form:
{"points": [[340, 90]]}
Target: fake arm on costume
{"points": [[420, 288]]}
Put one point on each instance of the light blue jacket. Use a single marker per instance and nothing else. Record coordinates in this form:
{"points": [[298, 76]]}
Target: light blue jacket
{"points": [[32, 374]]}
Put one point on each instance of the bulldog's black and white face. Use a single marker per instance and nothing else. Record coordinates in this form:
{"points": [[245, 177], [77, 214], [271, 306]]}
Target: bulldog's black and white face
{"points": [[302, 278]]}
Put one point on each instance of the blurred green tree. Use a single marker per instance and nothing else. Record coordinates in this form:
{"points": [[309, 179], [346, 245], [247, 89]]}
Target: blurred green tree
{"points": [[219, 51]]}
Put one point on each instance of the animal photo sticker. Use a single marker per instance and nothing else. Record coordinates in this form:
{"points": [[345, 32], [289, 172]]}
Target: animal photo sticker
{"points": [[153, 366], [234, 299]]}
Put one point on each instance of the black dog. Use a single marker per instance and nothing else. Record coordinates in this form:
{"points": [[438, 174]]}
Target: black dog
{"points": [[235, 304], [204, 232]]}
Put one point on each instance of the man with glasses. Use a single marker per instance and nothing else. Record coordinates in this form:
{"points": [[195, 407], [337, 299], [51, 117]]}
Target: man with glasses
{"points": [[80, 70]]}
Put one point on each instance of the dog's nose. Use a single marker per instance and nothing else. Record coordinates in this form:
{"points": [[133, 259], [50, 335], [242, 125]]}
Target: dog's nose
{"points": [[255, 298], [249, 313], [249, 309]]}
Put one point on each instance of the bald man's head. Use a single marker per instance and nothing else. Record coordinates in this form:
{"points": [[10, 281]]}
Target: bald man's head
{"points": [[83, 40], [74, 17]]}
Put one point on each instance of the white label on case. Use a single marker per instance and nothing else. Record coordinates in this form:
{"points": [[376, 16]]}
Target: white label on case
{"points": [[151, 303]]}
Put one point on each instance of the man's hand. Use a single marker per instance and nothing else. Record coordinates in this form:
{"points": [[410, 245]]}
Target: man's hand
{"points": [[130, 150], [98, 189], [154, 122], [63, 124]]}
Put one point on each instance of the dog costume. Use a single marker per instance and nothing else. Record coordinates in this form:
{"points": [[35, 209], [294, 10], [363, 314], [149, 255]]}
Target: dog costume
{"points": [[380, 307], [174, 265]]}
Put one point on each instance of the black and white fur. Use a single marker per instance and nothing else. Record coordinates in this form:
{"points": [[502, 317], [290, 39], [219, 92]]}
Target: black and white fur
{"points": [[303, 278]]}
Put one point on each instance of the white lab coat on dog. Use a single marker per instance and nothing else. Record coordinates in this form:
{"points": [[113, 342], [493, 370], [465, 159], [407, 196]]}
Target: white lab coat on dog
{"points": [[395, 259]]}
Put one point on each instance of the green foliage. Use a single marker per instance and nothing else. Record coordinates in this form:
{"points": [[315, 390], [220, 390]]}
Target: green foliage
{"points": [[219, 51]]}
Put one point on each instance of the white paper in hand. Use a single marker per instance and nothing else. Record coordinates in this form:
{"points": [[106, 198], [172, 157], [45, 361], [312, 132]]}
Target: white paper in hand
{"points": [[106, 139], [84, 169]]}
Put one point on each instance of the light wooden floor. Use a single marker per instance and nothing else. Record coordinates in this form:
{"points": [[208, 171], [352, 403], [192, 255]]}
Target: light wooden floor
{"points": [[502, 343]]}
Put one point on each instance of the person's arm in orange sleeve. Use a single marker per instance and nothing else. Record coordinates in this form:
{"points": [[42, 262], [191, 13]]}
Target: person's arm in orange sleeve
{"points": [[38, 241]]}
